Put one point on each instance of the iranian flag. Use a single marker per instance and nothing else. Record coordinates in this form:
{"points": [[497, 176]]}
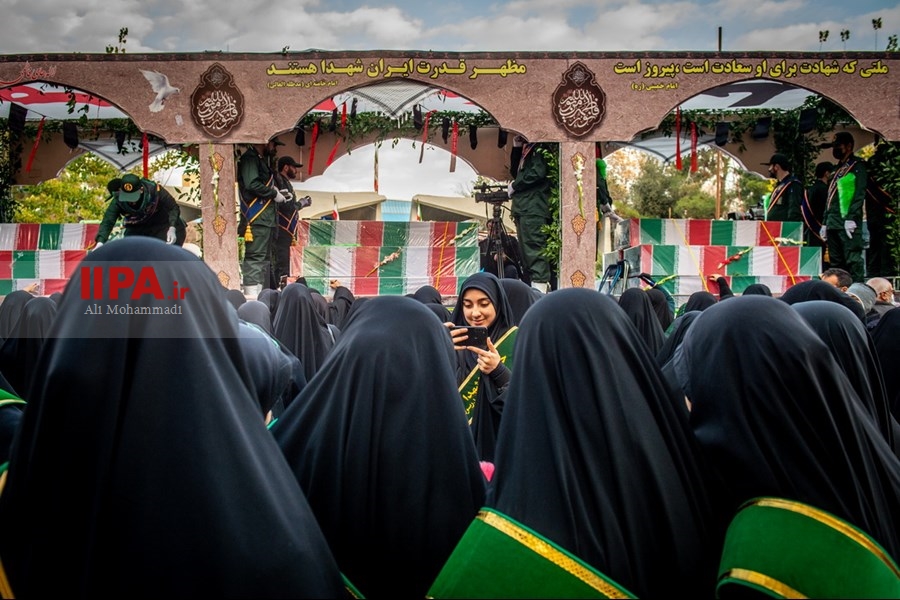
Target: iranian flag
{"points": [[706, 232], [663, 260], [45, 254], [378, 258]]}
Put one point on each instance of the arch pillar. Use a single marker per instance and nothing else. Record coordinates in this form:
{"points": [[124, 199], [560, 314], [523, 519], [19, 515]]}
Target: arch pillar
{"points": [[577, 214], [218, 193]]}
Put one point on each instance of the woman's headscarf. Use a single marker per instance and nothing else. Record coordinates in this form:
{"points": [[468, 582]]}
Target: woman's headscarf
{"points": [[886, 337], [521, 297], [660, 303], [19, 352], [593, 454], [271, 370], [299, 326], [256, 312], [853, 348], [699, 301], [491, 286], [428, 294], [636, 304], [270, 298], [235, 297], [379, 442], [674, 339], [816, 289], [142, 466], [759, 289], [489, 399], [10, 309], [777, 416], [339, 308]]}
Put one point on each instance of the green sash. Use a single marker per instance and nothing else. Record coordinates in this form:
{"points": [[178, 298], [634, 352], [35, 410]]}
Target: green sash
{"points": [[786, 549], [500, 558], [351, 589], [468, 390]]}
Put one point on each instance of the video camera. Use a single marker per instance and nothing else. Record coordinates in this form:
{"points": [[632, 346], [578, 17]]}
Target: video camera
{"points": [[493, 194], [756, 213]]}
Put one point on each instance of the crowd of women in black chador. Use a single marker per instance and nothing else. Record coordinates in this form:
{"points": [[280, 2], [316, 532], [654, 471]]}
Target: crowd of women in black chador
{"points": [[281, 448]]}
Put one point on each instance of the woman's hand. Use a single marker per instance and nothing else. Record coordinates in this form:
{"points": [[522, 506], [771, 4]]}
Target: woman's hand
{"points": [[458, 336], [487, 359]]}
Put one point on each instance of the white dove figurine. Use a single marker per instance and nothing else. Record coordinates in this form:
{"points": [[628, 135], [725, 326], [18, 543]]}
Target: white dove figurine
{"points": [[160, 85]]}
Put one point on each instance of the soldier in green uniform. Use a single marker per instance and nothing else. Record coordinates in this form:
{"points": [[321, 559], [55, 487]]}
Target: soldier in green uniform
{"points": [[530, 193], [844, 209], [258, 196], [787, 197], [146, 208]]}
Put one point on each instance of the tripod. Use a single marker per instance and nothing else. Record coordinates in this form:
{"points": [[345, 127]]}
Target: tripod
{"points": [[500, 247]]}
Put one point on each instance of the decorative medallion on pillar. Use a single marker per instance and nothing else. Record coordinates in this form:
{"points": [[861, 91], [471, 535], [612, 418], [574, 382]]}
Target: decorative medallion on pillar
{"points": [[216, 161], [578, 278], [219, 225], [578, 224], [217, 105], [223, 278], [579, 103]]}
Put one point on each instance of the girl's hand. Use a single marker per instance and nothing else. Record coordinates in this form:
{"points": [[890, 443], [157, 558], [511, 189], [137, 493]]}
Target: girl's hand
{"points": [[487, 359], [458, 336]]}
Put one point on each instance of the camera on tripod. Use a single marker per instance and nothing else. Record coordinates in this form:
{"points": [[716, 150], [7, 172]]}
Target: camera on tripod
{"points": [[755, 213], [493, 194]]}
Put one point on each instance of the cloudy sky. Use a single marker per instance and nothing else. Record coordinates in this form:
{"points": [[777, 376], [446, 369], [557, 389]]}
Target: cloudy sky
{"points": [[48, 26], [42, 26]]}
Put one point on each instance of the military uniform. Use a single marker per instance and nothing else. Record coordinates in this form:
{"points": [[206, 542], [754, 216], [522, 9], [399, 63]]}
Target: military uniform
{"points": [[146, 208], [288, 219], [258, 217], [846, 197], [786, 200], [531, 211]]}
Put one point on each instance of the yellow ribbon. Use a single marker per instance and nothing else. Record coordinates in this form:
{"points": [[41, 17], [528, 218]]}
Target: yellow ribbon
{"points": [[777, 250], [691, 252]]}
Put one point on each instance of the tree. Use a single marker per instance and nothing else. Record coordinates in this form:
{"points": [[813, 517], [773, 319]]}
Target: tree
{"points": [[823, 37], [78, 194], [655, 191], [120, 46], [751, 189], [845, 35], [695, 204]]}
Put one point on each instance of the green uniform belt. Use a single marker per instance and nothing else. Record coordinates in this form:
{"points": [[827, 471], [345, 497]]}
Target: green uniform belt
{"points": [[786, 549], [468, 389], [500, 558]]}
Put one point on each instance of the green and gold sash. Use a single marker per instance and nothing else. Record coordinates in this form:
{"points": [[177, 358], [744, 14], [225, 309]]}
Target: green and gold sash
{"points": [[468, 390], [787, 549], [498, 557]]}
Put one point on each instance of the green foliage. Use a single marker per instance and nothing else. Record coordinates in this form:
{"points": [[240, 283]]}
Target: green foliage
{"points": [[78, 194], [656, 190], [383, 127], [799, 148], [885, 167], [553, 250], [696, 204], [10, 151], [751, 189], [119, 48]]}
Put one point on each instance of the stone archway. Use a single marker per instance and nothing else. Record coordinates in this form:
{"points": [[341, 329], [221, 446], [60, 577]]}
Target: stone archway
{"points": [[217, 100]]}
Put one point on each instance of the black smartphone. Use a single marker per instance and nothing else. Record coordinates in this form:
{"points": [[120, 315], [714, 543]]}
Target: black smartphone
{"points": [[477, 335]]}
